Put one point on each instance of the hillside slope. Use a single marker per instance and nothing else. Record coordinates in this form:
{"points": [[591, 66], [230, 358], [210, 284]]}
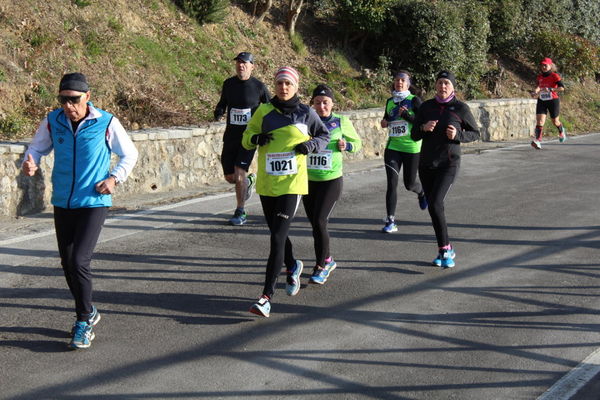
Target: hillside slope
{"points": [[153, 66]]}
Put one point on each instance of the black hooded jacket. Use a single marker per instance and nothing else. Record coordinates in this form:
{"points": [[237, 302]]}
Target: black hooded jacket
{"points": [[437, 151]]}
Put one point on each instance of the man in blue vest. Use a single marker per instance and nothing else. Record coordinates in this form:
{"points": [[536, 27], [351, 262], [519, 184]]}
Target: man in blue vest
{"points": [[83, 138]]}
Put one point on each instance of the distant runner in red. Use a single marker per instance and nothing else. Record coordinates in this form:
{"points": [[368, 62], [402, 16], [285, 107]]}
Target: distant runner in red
{"points": [[548, 86]]}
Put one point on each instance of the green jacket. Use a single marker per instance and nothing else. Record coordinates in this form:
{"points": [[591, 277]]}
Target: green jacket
{"points": [[327, 165]]}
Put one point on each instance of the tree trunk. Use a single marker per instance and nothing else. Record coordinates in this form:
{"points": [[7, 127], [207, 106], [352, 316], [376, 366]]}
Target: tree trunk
{"points": [[264, 9], [294, 9]]}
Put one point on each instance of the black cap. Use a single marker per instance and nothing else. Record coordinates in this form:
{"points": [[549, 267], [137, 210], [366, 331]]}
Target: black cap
{"points": [[446, 75], [74, 81], [322, 90], [244, 56]]}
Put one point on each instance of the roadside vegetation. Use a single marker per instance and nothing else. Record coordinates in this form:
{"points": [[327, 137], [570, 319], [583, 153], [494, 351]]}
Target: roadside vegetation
{"points": [[159, 63]]}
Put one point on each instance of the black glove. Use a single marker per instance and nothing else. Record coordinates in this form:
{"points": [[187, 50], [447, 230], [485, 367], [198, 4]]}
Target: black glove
{"points": [[301, 148], [261, 139]]}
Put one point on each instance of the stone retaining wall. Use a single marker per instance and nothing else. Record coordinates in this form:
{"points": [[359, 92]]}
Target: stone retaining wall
{"points": [[188, 157]]}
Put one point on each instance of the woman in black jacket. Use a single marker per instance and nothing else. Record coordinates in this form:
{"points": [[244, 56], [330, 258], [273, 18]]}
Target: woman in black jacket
{"points": [[442, 123]]}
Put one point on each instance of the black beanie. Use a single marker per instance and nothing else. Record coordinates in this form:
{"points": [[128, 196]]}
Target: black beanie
{"points": [[447, 75], [322, 90], [75, 81]]}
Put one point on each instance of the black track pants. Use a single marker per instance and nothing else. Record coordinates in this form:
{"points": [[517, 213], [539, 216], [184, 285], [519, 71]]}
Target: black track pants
{"points": [[77, 232]]}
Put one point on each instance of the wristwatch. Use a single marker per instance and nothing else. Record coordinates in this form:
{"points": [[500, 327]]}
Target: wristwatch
{"points": [[117, 181]]}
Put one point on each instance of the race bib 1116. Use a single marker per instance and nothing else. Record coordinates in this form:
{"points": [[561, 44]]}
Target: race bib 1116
{"points": [[320, 160]]}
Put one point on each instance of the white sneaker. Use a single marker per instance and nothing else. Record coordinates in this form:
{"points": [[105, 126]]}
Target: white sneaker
{"points": [[262, 307]]}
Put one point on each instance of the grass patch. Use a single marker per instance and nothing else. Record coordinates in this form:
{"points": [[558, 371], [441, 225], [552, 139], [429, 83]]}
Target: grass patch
{"points": [[115, 25], [298, 45], [11, 125]]}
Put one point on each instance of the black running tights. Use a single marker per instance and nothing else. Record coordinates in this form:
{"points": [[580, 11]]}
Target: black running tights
{"points": [[319, 204], [393, 163], [436, 184], [279, 212]]}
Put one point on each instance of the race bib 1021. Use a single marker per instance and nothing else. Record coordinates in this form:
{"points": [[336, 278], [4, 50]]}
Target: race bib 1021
{"points": [[281, 164]]}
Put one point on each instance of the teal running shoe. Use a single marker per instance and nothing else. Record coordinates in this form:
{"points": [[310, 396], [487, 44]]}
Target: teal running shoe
{"points": [[82, 336], [292, 286], [94, 319], [445, 259], [562, 136]]}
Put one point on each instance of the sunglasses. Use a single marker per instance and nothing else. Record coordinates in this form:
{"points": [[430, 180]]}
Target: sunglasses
{"points": [[69, 99]]}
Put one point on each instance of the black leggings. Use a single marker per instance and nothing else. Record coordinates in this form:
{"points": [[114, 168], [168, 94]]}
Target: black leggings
{"points": [[77, 232], [279, 212], [319, 204], [436, 184], [393, 162]]}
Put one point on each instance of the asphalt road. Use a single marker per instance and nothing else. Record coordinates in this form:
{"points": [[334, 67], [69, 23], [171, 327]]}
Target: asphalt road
{"points": [[173, 284]]}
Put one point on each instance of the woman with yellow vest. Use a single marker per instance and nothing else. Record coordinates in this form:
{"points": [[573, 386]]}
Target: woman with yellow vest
{"points": [[284, 131], [401, 150], [325, 178]]}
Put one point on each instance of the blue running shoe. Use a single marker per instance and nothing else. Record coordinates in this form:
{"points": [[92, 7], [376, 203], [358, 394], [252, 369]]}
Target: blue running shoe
{"points": [[239, 217], [262, 307], [94, 319], [292, 286], [422, 201], [250, 188], [390, 226], [82, 336], [320, 274], [445, 259]]}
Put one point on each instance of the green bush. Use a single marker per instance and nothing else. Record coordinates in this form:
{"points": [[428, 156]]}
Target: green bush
{"points": [[584, 17], [204, 11], [507, 27], [431, 36], [573, 55]]}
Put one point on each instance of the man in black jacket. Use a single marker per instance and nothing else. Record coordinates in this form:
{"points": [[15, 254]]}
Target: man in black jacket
{"points": [[240, 97]]}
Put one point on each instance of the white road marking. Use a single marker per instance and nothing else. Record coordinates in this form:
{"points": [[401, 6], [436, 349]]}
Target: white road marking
{"points": [[567, 386]]}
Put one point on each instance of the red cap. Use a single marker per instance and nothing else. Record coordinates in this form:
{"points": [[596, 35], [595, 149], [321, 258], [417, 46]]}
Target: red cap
{"points": [[547, 61]]}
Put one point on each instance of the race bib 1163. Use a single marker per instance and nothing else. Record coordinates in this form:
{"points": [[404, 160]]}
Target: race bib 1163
{"points": [[398, 128]]}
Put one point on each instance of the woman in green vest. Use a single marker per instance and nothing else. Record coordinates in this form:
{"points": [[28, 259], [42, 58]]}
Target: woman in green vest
{"points": [[325, 178], [401, 150]]}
